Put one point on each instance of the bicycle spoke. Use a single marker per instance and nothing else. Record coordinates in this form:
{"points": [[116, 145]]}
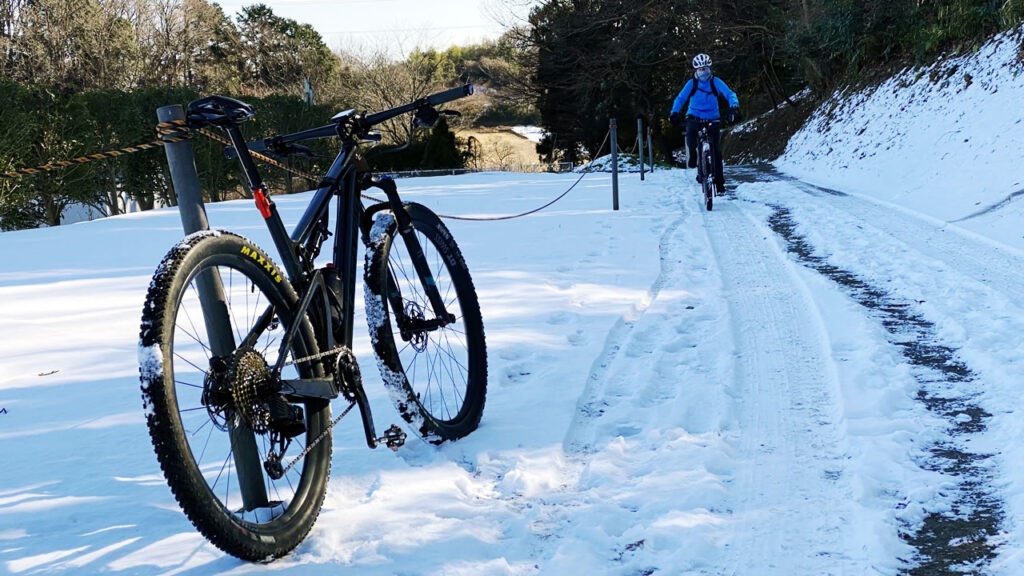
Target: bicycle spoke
{"points": [[194, 335], [190, 385], [220, 473], [206, 444], [187, 361], [195, 330], [231, 292]]}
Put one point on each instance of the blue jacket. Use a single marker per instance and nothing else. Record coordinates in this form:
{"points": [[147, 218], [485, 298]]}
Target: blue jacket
{"points": [[704, 104]]}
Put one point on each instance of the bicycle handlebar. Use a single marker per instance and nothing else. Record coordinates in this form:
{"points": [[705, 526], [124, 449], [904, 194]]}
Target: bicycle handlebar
{"points": [[432, 100], [449, 95], [362, 123]]}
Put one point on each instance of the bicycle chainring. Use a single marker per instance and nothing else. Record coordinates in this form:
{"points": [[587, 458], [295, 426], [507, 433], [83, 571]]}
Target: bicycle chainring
{"points": [[347, 378]]}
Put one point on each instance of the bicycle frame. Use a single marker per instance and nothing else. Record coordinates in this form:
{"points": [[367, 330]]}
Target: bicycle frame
{"points": [[298, 250], [705, 148]]}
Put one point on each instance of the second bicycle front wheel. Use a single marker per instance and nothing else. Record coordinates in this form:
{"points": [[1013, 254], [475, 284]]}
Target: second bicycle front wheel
{"points": [[436, 372]]}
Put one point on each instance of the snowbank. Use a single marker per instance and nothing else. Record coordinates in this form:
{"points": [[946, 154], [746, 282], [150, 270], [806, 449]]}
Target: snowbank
{"points": [[943, 140]]}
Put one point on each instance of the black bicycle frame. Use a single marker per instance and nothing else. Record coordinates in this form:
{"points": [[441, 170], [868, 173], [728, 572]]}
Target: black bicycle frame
{"points": [[702, 137], [339, 181]]}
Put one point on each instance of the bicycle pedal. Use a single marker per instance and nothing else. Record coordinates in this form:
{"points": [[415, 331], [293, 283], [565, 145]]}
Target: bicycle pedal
{"points": [[394, 438]]}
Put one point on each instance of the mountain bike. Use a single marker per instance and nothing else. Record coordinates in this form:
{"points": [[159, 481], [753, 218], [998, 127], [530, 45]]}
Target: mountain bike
{"points": [[706, 163], [241, 355]]}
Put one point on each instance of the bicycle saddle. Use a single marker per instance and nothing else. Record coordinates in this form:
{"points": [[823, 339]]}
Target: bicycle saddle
{"points": [[219, 111]]}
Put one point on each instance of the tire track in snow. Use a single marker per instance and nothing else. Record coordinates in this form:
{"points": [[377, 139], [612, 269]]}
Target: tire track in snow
{"points": [[646, 453], [558, 515], [964, 539], [593, 401], [791, 495]]}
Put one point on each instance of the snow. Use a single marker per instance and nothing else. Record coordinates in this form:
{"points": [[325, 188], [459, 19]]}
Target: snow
{"points": [[626, 163], [531, 133], [949, 148], [671, 391]]}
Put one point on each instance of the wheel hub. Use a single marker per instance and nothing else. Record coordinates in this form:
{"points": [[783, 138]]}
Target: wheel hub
{"points": [[414, 315]]}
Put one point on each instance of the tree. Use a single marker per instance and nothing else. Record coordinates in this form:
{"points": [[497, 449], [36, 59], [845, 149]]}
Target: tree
{"points": [[189, 43], [277, 54], [600, 59], [40, 126]]}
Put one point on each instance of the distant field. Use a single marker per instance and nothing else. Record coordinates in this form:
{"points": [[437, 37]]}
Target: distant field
{"points": [[500, 146]]}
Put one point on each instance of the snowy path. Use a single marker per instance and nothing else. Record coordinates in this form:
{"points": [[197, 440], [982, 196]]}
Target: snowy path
{"points": [[945, 296], [799, 382], [792, 494]]}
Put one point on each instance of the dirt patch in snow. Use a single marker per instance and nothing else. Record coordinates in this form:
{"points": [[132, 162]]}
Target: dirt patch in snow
{"points": [[765, 138]]}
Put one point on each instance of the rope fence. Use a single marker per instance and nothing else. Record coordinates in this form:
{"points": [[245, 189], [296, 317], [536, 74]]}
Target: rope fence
{"points": [[178, 131]]}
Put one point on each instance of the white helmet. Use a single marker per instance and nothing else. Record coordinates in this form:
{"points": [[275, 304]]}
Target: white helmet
{"points": [[701, 60]]}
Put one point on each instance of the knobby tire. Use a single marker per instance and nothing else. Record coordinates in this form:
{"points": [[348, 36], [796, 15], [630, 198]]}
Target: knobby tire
{"points": [[437, 380], [192, 444]]}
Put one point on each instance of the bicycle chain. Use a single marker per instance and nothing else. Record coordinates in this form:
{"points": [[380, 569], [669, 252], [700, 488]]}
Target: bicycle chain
{"points": [[317, 441], [301, 455], [324, 354]]}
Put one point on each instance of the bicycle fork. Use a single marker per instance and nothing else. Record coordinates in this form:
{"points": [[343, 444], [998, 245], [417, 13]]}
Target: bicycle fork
{"points": [[410, 326]]}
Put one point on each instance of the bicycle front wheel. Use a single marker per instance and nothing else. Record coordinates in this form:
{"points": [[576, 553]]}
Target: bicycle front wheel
{"points": [[206, 366], [435, 372], [707, 181]]}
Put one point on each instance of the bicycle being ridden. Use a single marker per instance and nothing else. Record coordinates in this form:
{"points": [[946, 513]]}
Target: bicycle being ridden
{"points": [[698, 102], [241, 355]]}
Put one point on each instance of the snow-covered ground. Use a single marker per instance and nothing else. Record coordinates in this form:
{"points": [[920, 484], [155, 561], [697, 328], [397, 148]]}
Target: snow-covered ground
{"points": [[531, 133], [807, 380]]}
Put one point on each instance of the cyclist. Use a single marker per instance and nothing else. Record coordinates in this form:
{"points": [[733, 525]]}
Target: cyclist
{"points": [[700, 97]]}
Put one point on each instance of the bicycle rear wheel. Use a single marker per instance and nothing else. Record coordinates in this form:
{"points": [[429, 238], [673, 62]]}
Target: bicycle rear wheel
{"points": [[437, 376], [208, 414]]}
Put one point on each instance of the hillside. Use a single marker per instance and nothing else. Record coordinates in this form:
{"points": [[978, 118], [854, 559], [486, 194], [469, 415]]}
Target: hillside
{"points": [[501, 147], [944, 140]]}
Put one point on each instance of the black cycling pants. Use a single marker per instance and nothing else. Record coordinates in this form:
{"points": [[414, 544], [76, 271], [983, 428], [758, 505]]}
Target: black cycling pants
{"points": [[714, 137]]}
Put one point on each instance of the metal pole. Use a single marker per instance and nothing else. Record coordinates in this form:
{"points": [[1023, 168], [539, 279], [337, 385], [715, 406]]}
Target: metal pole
{"points": [[615, 164], [650, 149], [185, 181], [640, 141]]}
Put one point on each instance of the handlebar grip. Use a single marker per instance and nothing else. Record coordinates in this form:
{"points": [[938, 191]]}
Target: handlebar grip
{"points": [[449, 95]]}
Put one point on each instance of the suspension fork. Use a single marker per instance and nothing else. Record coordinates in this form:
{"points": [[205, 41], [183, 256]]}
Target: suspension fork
{"points": [[419, 261]]}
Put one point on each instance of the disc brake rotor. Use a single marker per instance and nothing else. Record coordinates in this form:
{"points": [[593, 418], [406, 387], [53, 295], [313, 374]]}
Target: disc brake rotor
{"points": [[418, 338]]}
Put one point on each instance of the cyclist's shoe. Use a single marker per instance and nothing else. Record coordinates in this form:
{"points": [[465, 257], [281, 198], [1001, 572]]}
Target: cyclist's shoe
{"points": [[698, 178], [719, 188]]}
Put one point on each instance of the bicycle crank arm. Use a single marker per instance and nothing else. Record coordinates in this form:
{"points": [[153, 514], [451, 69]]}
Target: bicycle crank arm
{"points": [[349, 381], [393, 437]]}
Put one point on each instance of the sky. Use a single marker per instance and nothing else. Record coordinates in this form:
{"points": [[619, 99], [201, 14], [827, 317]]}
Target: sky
{"points": [[398, 26], [819, 376]]}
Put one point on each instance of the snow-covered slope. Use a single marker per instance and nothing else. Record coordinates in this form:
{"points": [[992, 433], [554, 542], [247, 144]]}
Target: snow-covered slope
{"points": [[946, 141]]}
